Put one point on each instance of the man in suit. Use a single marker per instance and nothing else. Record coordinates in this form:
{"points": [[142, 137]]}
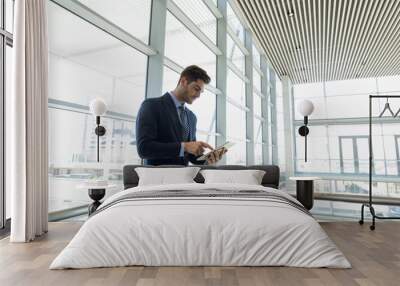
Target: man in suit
{"points": [[166, 128]]}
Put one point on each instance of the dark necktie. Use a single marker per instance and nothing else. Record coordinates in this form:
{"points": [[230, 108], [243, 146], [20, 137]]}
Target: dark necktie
{"points": [[184, 122]]}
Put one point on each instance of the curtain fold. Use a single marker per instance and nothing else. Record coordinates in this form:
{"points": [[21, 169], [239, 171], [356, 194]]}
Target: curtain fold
{"points": [[28, 117]]}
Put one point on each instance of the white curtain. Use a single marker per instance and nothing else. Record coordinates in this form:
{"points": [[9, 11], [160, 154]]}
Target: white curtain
{"points": [[27, 116]]}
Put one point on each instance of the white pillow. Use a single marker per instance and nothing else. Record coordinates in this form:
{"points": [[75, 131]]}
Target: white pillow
{"points": [[248, 177], [166, 176]]}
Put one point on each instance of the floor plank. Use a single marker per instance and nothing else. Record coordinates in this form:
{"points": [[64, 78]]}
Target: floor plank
{"points": [[375, 257]]}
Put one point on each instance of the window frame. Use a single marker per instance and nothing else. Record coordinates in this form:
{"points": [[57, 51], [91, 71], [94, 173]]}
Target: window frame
{"points": [[6, 39]]}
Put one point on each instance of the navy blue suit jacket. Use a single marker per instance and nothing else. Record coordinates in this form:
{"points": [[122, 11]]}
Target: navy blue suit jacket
{"points": [[159, 132]]}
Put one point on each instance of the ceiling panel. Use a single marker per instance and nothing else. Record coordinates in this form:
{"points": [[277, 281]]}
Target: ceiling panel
{"points": [[323, 40]]}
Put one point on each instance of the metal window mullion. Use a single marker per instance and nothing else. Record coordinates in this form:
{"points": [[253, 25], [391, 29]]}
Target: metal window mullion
{"points": [[102, 23], [2, 101], [265, 110], [213, 9], [2, 127], [2, 117], [155, 62], [193, 28], [341, 155], [288, 125], [250, 154], [3, 16], [3, 36], [274, 132], [327, 127], [396, 140], [355, 156], [221, 79], [294, 133]]}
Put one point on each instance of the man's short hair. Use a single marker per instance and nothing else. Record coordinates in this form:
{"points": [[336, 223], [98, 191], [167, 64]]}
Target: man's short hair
{"points": [[193, 73]]}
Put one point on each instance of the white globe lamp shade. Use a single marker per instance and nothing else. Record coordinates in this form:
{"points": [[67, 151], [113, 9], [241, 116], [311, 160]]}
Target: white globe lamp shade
{"points": [[97, 107], [305, 108]]}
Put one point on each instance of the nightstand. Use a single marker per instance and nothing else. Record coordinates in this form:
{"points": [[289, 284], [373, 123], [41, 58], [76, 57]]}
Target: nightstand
{"points": [[305, 190], [96, 193]]}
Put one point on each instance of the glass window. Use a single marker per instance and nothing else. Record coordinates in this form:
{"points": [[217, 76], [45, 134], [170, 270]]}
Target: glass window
{"points": [[280, 126], [83, 67], [349, 106], [85, 63], [235, 54], [256, 80], [72, 158], [199, 13], [234, 22], [354, 86], [347, 160], [257, 104], [193, 51], [237, 154], [9, 15], [258, 154], [236, 122], [309, 90], [258, 130], [313, 92], [256, 56], [133, 16], [389, 84], [204, 107], [236, 88], [236, 131], [351, 138]]}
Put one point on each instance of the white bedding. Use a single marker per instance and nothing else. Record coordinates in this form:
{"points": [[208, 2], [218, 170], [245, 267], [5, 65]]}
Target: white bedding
{"points": [[200, 231]]}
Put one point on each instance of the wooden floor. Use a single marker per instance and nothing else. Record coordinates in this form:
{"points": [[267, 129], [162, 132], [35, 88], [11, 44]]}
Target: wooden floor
{"points": [[375, 257]]}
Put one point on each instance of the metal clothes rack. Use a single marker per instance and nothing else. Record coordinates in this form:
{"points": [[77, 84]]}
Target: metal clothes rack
{"points": [[370, 203]]}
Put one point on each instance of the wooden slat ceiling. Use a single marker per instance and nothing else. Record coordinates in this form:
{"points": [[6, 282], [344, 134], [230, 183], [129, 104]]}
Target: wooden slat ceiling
{"points": [[323, 40]]}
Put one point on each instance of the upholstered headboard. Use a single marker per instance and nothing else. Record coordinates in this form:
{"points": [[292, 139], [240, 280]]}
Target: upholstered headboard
{"points": [[270, 179]]}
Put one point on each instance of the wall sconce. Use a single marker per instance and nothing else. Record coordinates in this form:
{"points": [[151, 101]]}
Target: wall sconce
{"points": [[98, 107], [305, 108]]}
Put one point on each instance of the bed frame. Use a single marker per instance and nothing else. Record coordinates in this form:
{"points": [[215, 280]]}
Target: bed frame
{"points": [[270, 179]]}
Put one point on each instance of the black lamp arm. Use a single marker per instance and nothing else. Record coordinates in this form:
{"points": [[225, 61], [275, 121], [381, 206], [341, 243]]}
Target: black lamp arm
{"points": [[99, 131]]}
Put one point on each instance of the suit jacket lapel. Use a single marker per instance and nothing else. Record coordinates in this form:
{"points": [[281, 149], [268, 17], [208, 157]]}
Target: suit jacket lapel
{"points": [[173, 114]]}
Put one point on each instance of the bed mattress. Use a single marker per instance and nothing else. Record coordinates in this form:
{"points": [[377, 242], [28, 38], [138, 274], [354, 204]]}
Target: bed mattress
{"points": [[201, 225]]}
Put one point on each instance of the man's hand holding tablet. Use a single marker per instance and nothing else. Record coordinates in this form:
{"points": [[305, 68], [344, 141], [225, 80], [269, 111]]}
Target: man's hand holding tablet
{"points": [[216, 154]]}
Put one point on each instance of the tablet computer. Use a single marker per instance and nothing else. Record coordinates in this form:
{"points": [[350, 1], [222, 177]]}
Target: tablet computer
{"points": [[226, 145]]}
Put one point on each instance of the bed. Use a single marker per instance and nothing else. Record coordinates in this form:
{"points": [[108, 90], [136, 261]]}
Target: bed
{"points": [[197, 224]]}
